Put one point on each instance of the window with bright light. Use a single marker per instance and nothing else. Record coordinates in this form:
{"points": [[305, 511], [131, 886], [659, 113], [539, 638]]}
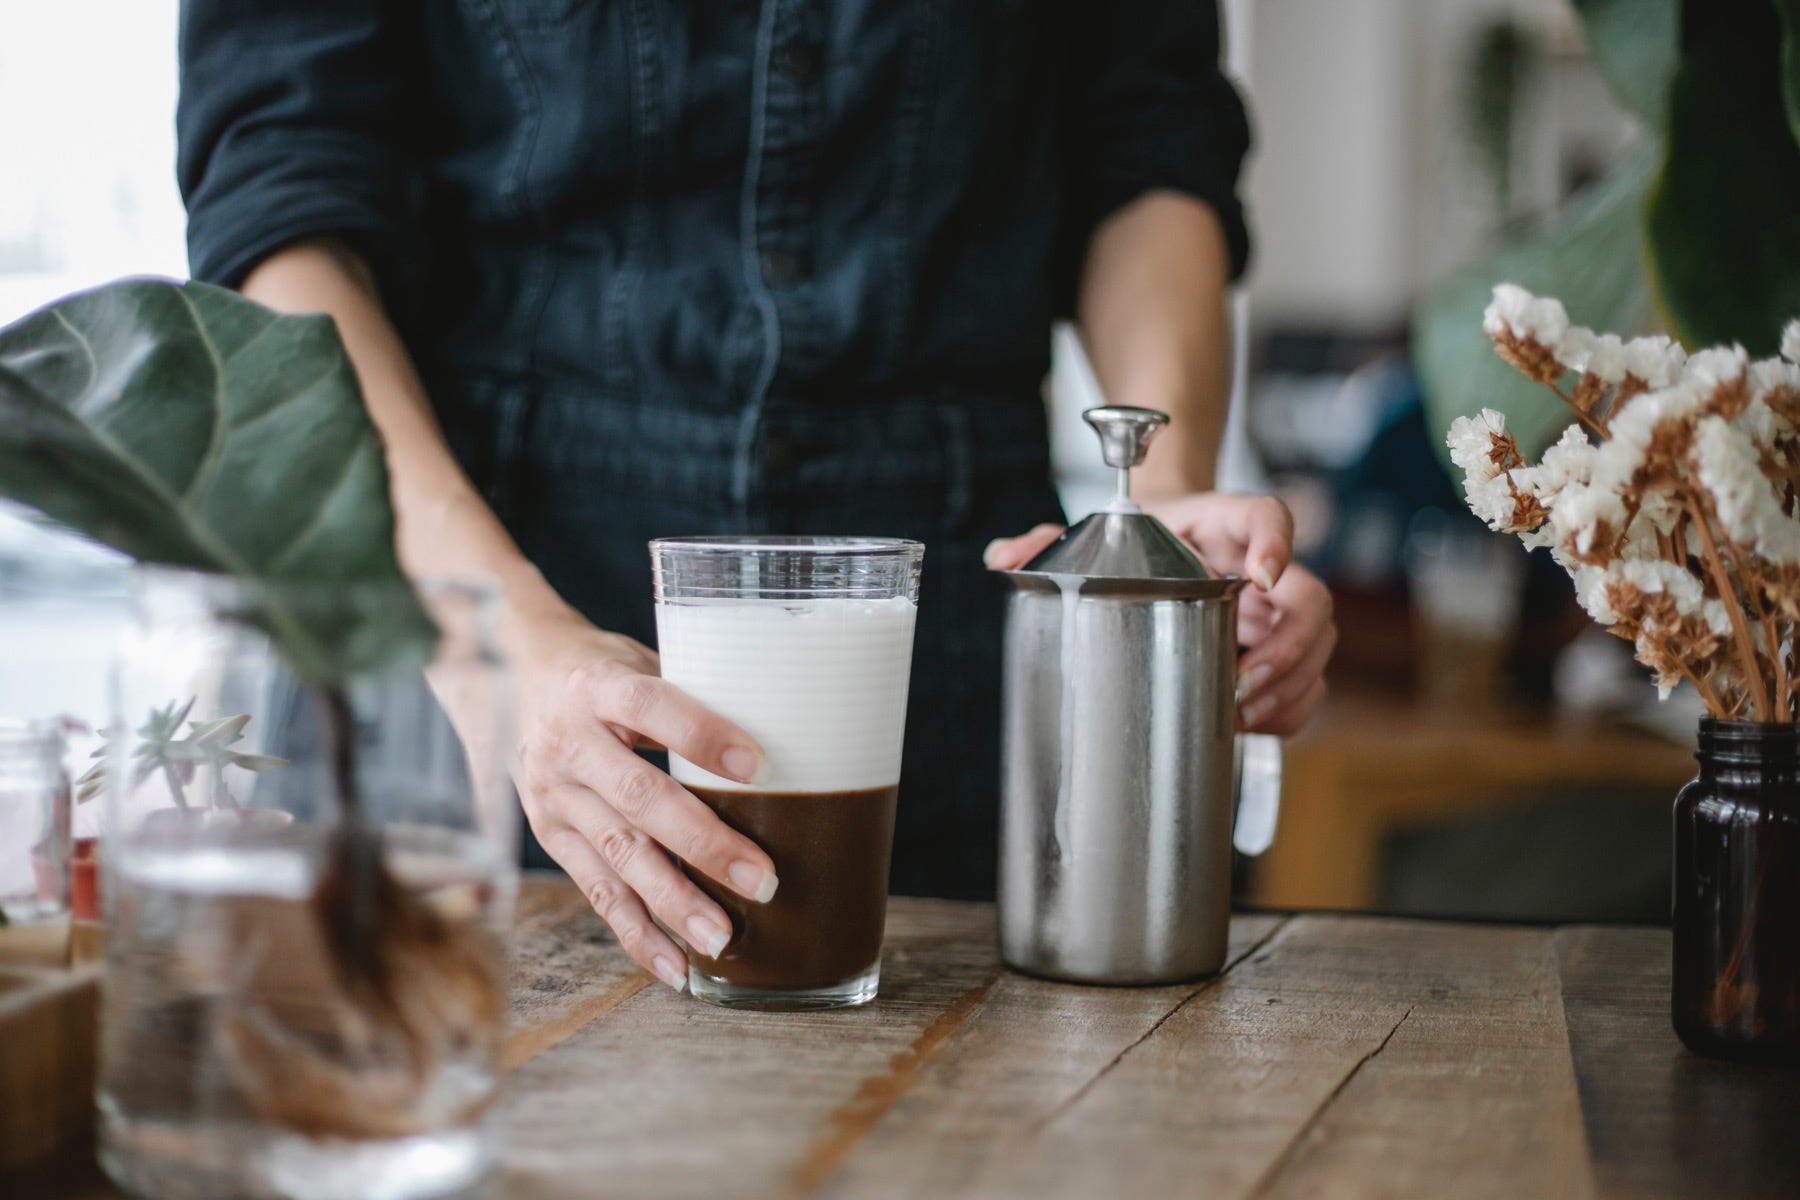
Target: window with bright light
{"points": [[88, 138]]}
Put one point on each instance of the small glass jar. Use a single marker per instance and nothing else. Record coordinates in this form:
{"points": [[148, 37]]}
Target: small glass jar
{"points": [[34, 845], [297, 1003], [1737, 895]]}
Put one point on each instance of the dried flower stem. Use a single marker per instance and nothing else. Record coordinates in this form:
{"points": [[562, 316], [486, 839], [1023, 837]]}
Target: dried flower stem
{"points": [[1594, 427], [1759, 697]]}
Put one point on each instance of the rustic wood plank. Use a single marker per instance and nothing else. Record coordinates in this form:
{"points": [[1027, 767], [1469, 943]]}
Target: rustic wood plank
{"points": [[665, 1096], [1031, 1049], [565, 968], [1661, 1121], [1280, 1082]]}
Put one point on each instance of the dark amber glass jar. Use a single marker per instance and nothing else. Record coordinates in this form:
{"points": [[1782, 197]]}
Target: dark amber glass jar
{"points": [[1737, 895]]}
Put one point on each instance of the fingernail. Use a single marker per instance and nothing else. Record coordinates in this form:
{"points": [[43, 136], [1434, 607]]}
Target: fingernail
{"points": [[1250, 680], [706, 936], [1265, 579], [740, 763], [992, 552], [670, 972], [1254, 713], [752, 881]]}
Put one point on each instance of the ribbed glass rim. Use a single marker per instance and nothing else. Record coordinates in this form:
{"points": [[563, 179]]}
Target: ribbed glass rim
{"points": [[797, 544]]}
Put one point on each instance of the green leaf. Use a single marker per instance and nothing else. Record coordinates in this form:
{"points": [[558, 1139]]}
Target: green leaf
{"points": [[185, 425], [1588, 259], [1635, 43], [1790, 63], [1722, 231]]}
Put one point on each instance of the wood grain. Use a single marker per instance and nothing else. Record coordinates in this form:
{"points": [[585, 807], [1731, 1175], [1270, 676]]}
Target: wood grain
{"points": [[1661, 1121], [1032, 1050], [1337, 1056]]}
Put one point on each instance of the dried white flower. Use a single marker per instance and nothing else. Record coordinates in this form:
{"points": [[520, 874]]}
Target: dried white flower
{"points": [[1766, 374], [1727, 463], [1715, 365], [1659, 575], [1656, 361], [1569, 460], [1790, 341], [1492, 500], [1631, 428], [1592, 594], [1535, 318], [1581, 514], [1471, 443], [1601, 355]]}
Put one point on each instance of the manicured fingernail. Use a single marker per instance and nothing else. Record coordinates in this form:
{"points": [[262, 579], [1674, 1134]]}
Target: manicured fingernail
{"points": [[706, 936], [670, 972], [740, 763], [1254, 713], [752, 881], [1250, 680], [992, 552], [1265, 578]]}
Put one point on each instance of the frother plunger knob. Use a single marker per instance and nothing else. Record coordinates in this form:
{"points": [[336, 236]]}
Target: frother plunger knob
{"points": [[1125, 435]]}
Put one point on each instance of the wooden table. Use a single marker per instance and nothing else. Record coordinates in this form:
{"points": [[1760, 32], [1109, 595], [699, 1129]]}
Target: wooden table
{"points": [[1337, 1056]]}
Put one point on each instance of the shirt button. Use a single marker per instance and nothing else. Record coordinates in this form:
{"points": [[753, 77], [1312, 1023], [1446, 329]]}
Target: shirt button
{"points": [[782, 268], [799, 61]]}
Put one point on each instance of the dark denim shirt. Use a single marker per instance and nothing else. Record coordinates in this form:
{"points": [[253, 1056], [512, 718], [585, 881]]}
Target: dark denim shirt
{"points": [[776, 266], [703, 205]]}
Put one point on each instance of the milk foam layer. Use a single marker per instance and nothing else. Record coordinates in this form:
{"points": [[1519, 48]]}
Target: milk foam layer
{"points": [[820, 684]]}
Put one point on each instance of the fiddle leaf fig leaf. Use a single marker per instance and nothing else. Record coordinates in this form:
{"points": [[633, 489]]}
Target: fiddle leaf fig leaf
{"points": [[1589, 258], [185, 425], [1635, 44], [1722, 229], [1790, 63]]}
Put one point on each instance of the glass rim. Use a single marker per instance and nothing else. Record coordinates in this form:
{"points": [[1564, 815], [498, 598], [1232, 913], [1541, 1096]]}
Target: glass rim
{"points": [[800, 544]]}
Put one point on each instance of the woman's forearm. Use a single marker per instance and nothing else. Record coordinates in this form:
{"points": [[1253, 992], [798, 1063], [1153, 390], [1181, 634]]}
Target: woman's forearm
{"points": [[1152, 306], [444, 527]]}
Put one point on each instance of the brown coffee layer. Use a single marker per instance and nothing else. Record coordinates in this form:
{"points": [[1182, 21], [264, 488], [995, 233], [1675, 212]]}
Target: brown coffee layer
{"points": [[831, 852]]}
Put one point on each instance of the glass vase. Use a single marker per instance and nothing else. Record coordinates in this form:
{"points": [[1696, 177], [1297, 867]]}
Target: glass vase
{"points": [[1736, 990], [303, 992], [34, 845]]}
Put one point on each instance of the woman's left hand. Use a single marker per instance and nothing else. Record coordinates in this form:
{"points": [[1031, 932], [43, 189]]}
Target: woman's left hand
{"points": [[1284, 619]]}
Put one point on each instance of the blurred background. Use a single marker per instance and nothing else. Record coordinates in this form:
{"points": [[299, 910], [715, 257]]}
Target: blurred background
{"points": [[1485, 752]]}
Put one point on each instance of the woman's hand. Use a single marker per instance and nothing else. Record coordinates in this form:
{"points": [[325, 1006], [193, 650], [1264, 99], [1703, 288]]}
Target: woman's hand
{"points": [[1284, 620], [587, 699]]}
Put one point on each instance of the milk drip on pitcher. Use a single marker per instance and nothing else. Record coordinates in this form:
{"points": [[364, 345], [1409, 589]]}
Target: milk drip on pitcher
{"points": [[1119, 758]]}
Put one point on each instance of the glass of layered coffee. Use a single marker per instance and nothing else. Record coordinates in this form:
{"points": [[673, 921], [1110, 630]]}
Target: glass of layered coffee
{"points": [[806, 644]]}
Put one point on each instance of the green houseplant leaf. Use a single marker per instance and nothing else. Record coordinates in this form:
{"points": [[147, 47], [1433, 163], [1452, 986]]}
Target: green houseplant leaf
{"points": [[185, 425], [1635, 43], [1589, 259], [1722, 230], [1590, 256], [1790, 63]]}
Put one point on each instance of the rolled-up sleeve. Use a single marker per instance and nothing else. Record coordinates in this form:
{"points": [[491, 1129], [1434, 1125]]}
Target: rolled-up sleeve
{"points": [[287, 126], [1156, 111]]}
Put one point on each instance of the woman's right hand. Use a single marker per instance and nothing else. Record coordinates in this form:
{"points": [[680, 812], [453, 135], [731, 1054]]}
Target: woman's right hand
{"points": [[587, 700]]}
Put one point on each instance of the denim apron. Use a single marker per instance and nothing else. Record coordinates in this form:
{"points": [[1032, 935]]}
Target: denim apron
{"points": [[584, 484]]}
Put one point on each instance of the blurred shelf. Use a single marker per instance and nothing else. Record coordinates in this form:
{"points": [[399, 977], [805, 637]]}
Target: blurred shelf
{"points": [[1372, 766]]}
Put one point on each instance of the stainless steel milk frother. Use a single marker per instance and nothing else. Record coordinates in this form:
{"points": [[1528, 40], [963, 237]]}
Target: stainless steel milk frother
{"points": [[1119, 758]]}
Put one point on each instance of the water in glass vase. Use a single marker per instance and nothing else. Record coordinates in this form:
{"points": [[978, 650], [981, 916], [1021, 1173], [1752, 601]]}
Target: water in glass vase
{"points": [[239, 1060]]}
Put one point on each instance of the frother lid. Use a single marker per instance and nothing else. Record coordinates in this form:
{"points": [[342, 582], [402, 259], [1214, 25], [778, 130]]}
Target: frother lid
{"points": [[1121, 548]]}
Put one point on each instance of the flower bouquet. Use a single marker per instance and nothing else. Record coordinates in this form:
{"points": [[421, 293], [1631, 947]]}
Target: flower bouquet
{"points": [[1671, 499]]}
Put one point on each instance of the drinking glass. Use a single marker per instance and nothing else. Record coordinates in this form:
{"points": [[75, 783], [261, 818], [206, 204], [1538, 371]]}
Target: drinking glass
{"points": [[299, 1005], [806, 644], [34, 845]]}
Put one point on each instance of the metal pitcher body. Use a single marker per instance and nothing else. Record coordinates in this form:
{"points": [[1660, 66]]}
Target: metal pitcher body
{"points": [[1117, 786]]}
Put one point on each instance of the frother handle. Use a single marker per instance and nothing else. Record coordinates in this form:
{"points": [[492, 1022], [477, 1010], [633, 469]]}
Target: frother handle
{"points": [[1259, 792]]}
